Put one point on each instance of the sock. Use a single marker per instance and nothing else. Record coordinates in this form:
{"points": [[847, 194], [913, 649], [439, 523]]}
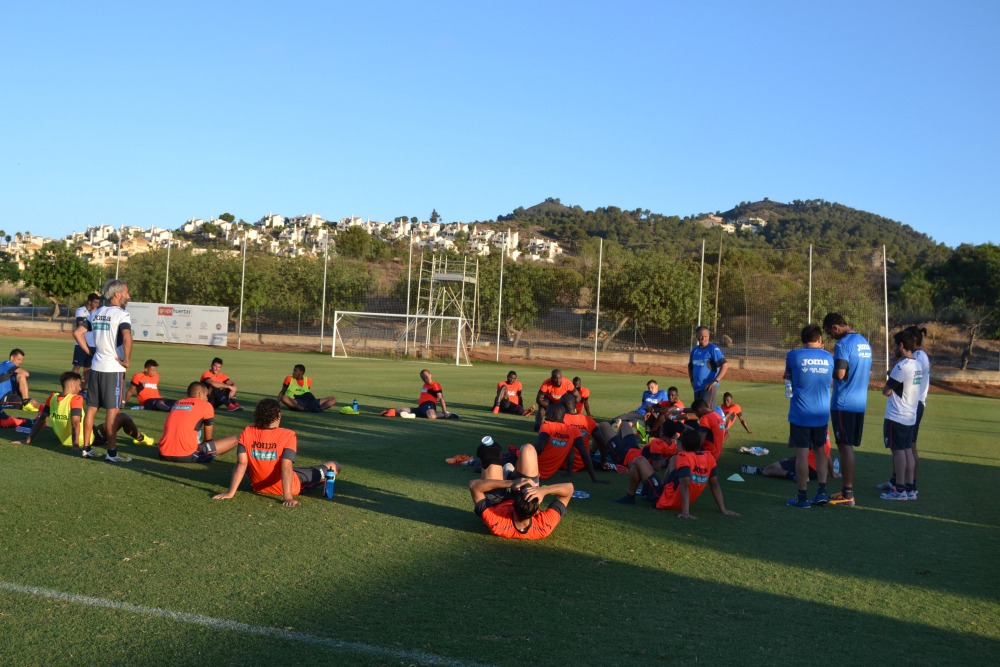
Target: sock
{"points": [[909, 487], [802, 495], [821, 489], [848, 492], [112, 453], [914, 483]]}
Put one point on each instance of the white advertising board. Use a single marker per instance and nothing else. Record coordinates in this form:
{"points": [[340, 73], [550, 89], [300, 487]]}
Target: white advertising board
{"points": [[175, 323]]}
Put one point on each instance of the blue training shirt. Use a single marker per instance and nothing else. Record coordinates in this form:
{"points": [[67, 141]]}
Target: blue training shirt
{"points": [[811, 372], [854, 354], [649, 399], [705, 363]]}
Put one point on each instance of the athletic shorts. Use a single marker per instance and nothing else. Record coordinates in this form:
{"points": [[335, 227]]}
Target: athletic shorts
{"points": [[509, 408], [897, 436], [806, 437], [307, 402], [160, 404], [205, 454], [847, 427], [497, 496], [310, 478], [424, 408], [708, 394], [916, 427], [81, 358], [104, 390], [788, 465]]}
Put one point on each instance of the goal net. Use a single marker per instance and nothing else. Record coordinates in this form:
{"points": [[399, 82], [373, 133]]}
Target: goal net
{"points": [[431, 338]]}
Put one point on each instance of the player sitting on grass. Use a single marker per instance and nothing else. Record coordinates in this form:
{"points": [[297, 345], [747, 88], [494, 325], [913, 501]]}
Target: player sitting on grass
{"points": [[14, 383], [509, 399], [65, 412], [430, 394], [785, 468], [296, 393], [551, 392], [187, 431], [582, 395], [509, 507], [222, 390], [733, 411], [688, 473], [269, 452], [556, 440], [147, 387]]}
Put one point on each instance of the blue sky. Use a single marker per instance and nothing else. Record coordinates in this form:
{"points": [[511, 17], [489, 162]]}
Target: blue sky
{"points": [[132, 113]]}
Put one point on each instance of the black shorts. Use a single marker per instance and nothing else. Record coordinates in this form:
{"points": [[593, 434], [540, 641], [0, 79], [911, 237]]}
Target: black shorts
{"points": [[806, 437], [424, 408], [509, 408], [920, 418], [897, 436], [310, 478], [159, 404], [788, 465], [847, 427], [307, 402], [104, 390], [205, 454], [81, 358]]}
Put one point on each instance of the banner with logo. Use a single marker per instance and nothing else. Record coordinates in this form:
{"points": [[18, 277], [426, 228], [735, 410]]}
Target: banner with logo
{"points": [[174, 323]]}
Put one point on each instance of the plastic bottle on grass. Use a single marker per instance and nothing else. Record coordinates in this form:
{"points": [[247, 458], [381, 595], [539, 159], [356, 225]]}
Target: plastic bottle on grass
{"points": [[331, 480], [355, 405]]}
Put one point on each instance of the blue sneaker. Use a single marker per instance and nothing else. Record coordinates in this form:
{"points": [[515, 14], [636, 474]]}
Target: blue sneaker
{"points": [[795, 502], [820, 499]]}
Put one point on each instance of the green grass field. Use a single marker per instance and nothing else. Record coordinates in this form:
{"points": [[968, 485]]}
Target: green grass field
{"points": [[103, 562]]}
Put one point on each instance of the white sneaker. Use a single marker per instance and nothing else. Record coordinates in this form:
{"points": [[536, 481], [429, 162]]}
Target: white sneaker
{"points": [[118, 459], [92, 454], [911, 495], [884, 486]]}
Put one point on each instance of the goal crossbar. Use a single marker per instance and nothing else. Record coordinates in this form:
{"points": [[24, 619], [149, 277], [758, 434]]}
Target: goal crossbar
{"points": [[363, 334]]}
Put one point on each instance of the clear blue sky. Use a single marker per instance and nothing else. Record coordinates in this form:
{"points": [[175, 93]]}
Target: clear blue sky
{"points": [[149, 114]]}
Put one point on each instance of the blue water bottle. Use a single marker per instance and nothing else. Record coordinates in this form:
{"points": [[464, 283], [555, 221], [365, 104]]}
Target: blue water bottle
{"points": [[331, 480], [355, 405], [788, 389]]}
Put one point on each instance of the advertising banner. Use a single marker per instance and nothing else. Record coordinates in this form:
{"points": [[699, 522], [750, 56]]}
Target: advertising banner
{"points": [[174, 323]]}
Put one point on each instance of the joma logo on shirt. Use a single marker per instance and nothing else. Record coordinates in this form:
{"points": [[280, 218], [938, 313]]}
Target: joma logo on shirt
{"points": [[815, 362], [264, 445]]}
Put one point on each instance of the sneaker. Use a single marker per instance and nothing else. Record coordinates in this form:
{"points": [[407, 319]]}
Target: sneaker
{"points": [[840, 499], [795, 502], [92, 454], [458, 459], [884, 486], [911, 495], [508, 471], [820, 499], [749, 469], [626, 500], [894, 495], [28, 407], [118, 459], [144, 440], [530, 411], [609, 466], [234, 407], [496, 409]]}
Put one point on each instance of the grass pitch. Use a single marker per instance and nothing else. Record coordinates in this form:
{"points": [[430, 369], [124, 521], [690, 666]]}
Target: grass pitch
{"points": [[398, 570]]}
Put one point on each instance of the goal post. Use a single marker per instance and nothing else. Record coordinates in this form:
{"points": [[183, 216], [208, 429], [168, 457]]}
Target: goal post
{"points": [[430, 338]]}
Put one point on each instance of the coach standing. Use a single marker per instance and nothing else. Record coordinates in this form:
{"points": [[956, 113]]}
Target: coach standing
{"points": [[112, 329], [706, 367]]}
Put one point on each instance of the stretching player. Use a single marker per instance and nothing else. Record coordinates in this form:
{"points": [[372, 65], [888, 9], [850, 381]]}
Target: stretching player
{"points": [[582, 395], [147, 387], [509, 399], [188, 430], [430, 394], [733, 411], [14, 383], [296, 393], [222, 390]]}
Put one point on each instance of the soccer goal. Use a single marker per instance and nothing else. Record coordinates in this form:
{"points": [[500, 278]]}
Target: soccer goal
{"points": [[431, 338]]}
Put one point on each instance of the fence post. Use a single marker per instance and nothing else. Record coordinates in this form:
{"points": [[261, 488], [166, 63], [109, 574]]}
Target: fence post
{"points": [[701, 282], [597, 313]]}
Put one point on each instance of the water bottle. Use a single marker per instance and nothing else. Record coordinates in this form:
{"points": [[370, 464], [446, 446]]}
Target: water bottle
{"points": [[355, 405], [137, 407], [331, 480], [788, 388], [836, 466]]}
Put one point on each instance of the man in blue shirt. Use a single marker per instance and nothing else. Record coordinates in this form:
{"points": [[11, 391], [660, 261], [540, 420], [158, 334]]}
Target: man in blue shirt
{"points": [[852, 369], [706, 367], [810, 369]]}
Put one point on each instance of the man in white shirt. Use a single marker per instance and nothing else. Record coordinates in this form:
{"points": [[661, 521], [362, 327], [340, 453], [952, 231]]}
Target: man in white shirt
{"points": [[903, 392], [81, 360]]}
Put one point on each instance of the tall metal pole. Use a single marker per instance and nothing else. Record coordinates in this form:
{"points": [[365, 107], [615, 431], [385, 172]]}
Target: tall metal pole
{"points": [[718, 275], [322, 307], [597, 316], [166, 280], [885, 303], [243, 281], [503, 252], [118, 263], [701, 282], [409, 279], [809, 314]]}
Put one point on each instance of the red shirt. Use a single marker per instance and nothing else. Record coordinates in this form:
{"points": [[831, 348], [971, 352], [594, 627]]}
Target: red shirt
{"points": [[716, 433], [431, 391], [555, 392], [558, 441], [499, 520], [698, 466], [147, 387], [513, 391], [265, 449], [183, 424]]}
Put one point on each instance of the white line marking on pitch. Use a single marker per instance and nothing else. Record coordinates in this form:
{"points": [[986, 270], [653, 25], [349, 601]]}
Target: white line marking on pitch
{"points": [[236, 626]]}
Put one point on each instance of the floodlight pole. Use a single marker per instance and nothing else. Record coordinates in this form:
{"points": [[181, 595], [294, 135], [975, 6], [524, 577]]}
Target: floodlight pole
{"points": [[597, 316], [118, 263], [322, 308], [885, 303], [701, 282], [503, 252], [809, 313], [166, 280], [409, 286], [243, 276]]}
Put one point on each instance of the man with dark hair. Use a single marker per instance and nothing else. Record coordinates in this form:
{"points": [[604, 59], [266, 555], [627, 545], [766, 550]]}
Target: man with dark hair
{"points": [[810, 370], [556, 440], [582, 395], [296, 393], [188, 430], [509, 399], [221, 388], [269, 451], [733, 412], [14, 383], [852, 367], [688, 473], [80, 359], [551, 392], [146, 386], [925, 384], [707, 366], [902, 389], [509, 507], [112, 355]]}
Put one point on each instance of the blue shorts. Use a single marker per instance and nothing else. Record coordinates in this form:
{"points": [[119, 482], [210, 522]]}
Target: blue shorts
{"points": [[897, 436], [806, 437], [920, 418], [848, 427]]}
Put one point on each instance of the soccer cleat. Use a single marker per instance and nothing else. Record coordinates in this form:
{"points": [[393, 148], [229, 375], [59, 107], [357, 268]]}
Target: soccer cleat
{"points": [[820, 499], [884, 486], [458, 459], [144, 440], [609, 466], [795, 502], [894, 495], [749, 469], [496, 409], [840, 499], [234, 407], [28, 407], [530, 411], [118, 458], [92, 454]]}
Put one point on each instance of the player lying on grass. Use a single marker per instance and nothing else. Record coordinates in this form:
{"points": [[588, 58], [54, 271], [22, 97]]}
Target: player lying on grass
{"points": [[509, 507], [296, 393], [688, 473], [431, 394], [188, 430], [147, 387], [269, 452], [222, 389], [733, 411], [64, 410], [785, 468], [14, 390], [509, 399]]}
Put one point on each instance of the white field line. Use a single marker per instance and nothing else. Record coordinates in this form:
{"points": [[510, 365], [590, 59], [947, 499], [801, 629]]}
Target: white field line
{"points": [[236, 626]]}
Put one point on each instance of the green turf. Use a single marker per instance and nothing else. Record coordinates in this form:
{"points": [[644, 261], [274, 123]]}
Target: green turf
{"points": [[399, 561]]}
